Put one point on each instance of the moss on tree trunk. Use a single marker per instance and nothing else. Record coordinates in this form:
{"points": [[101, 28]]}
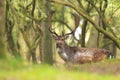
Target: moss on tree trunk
{"points": [[2, 28], [47, 44]]}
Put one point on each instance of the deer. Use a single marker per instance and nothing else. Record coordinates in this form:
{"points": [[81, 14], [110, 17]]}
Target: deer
{"points": [[78, 55]]}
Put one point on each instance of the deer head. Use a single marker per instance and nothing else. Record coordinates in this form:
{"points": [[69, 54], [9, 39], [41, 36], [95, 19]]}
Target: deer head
{"points": [[61, 45], [60, 39]]}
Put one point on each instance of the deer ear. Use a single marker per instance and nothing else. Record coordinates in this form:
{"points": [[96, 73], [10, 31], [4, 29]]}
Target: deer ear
{"points": [[54, 36]]}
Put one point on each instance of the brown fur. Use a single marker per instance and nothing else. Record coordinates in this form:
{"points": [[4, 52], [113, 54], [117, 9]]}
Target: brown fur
{"points": [[79, 55]]}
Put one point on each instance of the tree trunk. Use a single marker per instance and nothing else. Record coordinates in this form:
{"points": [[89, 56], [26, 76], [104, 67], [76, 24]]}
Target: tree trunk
{"points": [[47, 56], [92, 42], [47, 44], [11, 45], [2, 29], [84, 26]]}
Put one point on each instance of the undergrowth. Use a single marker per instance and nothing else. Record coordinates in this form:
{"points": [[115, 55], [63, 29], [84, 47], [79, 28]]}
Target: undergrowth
{"points": [[20, 70]]}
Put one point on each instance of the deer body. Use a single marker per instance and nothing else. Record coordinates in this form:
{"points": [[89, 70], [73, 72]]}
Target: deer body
{"points": [[80, 55]]}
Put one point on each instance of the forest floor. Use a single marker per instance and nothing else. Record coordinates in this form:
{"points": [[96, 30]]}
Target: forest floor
{"points": [[14, 70]]}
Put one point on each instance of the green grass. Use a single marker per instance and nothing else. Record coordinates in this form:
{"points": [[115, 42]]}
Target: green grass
{"points": [[14, 70]]}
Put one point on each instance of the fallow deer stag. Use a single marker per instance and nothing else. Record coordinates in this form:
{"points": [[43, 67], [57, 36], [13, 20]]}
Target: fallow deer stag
{"points": [[76, 54]]}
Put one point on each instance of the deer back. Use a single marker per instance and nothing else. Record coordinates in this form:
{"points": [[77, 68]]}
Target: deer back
{"points": [[85, 55]]}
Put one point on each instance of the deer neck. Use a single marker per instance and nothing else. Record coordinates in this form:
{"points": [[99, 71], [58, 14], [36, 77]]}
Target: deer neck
{"points": [[63, 51]]}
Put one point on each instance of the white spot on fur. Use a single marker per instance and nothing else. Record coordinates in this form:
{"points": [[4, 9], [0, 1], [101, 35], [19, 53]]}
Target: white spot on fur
{"points": [[65, 55], [62, 54], [58, 50]]}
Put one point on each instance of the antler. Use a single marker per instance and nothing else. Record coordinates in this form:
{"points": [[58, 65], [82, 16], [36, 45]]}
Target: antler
{"points": [[72, 32], [77, 19], [53, 32]]}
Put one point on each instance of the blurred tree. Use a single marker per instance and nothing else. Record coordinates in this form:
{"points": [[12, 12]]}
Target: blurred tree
{"points": [[12, 26], [2, 30], [47, 44], [31, 30]]}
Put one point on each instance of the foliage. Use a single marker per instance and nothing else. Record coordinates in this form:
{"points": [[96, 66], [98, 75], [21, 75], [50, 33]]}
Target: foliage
{"points": [[98, 19]]}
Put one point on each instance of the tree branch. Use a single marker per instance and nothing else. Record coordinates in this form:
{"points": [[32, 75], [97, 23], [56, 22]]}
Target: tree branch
{"points": [[83, 14]]}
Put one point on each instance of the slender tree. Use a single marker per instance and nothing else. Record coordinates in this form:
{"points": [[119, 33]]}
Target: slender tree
{"points": [[10, 21], [47, 38], [2, 30]]}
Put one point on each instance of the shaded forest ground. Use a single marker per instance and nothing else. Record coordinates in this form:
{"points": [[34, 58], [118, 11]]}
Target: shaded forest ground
{"points": [[14, 70]]}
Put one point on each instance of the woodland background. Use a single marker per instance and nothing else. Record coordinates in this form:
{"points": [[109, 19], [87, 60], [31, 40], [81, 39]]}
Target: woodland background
{"points": [[25, 35]]}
